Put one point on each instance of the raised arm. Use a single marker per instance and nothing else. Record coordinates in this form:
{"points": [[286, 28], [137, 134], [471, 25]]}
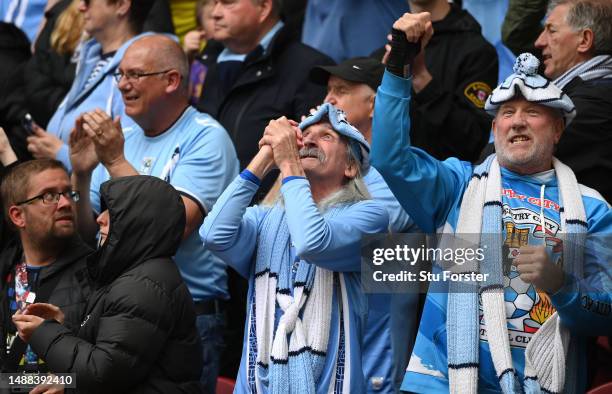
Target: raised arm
{"points": [[330, 241], [84, 160], [230, 229], [425, 187]]}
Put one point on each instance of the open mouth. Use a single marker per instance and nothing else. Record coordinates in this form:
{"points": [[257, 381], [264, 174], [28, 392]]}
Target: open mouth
{"points": [[129, 98], [518, 139]]}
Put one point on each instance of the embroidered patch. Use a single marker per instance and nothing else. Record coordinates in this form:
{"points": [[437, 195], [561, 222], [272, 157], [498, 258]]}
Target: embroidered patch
{"points": [[477, 93], [146, 165]]}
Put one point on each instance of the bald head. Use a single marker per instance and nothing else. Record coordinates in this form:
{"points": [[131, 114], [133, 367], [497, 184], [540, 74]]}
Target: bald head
{"points": [[161, 52], [154, 82]]}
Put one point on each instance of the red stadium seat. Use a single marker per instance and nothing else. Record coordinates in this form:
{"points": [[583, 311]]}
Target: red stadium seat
{"points": [[605, 388], [225, 385]]}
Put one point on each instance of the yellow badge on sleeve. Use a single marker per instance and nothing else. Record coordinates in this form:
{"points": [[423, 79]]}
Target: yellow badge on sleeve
{"points": [[477, 93]]}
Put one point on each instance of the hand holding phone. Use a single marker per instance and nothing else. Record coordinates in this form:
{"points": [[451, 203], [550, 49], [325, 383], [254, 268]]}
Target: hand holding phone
{"points": [[28, 124]]}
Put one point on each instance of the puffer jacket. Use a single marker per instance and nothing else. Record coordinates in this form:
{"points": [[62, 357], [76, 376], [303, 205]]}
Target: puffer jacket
{"points": [[139, 333]]}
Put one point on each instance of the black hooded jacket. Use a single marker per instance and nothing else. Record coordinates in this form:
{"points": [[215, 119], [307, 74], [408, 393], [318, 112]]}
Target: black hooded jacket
{"points": [[139, 333], [447, 118]]}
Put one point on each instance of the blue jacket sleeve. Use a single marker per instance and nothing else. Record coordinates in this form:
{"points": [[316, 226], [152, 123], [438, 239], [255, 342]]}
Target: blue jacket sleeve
{"points": [[585, 306], [425, 187], [399, 221], [230, 229], [63, 155], [330, 242]]}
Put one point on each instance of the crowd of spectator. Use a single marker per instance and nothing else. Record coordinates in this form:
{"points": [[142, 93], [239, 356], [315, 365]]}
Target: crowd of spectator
{"points": [[188, 187]]}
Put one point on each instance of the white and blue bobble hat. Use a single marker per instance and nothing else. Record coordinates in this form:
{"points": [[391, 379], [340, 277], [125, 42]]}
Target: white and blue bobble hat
{"points": [[533, 87], [337, 119]]}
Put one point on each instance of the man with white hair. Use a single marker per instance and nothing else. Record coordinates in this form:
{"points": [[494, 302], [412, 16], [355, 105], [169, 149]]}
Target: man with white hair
{"points": [[392, 318], [547, 269], [301, 256]]}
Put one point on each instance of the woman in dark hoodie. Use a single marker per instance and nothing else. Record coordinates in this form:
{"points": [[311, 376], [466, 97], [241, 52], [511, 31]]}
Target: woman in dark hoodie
{"points": [[138, 334]]}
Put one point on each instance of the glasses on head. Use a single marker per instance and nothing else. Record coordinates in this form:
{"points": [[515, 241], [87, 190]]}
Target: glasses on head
{"points": [[50, 198], [134, 76]]}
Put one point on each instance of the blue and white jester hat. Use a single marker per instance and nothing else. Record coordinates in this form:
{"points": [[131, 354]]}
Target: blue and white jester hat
{"points": [[533, 87], [337, 119]]}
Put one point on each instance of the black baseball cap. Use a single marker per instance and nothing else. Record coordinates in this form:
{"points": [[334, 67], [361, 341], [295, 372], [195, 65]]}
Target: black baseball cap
{"points": [[358, 69]]}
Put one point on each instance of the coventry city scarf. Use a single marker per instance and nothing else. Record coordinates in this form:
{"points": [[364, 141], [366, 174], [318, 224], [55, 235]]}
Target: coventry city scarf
{"points": [[547, 359]]}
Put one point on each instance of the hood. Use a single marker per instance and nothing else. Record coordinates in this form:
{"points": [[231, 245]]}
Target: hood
{"points": [[147, 221], [457, 21]]}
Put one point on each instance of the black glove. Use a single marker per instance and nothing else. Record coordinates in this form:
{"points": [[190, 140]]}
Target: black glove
{"points": [[402, 52]]}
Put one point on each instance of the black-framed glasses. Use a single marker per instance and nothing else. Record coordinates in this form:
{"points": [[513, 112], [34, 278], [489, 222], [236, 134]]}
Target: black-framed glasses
{"points": [[50, 198], [134, 76]]}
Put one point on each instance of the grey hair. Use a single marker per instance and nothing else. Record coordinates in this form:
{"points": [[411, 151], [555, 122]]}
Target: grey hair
{"points": [[354, 189], [590, 14]]}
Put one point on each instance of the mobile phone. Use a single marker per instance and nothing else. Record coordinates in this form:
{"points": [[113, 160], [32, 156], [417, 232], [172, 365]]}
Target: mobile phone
{"points": [[28, 124]]}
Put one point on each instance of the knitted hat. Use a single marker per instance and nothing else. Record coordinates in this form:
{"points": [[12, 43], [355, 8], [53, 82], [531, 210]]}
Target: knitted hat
{"points": [[358, 69], [533, 87], [337, 119]]}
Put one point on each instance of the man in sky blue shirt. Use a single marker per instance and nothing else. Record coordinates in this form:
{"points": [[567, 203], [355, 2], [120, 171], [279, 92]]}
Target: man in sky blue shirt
{"points": [[175, 142], [545, 262], [392, 318], [305, 309]]}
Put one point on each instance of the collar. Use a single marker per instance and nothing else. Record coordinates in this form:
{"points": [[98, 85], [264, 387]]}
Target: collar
{"points": [[227, 55]]}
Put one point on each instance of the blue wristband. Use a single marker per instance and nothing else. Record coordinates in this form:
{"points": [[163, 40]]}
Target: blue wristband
{"points": [[249, 176], [292, 177]]}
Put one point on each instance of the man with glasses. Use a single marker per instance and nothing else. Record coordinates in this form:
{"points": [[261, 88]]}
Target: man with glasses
{"points": [[47, 263], [176, 143]]}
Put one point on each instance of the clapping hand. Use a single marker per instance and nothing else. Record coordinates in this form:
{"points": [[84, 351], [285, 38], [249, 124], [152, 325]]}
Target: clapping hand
{"points": [[83, 154], [107, 136]]}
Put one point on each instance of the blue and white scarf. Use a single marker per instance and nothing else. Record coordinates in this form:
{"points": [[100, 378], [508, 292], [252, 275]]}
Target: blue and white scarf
{"points": [[546, 357], [598, 67], [293, 365]]}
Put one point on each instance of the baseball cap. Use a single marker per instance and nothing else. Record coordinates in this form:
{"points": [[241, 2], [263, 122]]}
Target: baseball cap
{"points": [[358, 69]]}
